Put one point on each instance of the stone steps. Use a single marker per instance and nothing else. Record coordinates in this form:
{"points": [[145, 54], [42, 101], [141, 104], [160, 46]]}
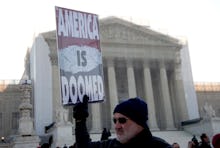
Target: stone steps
{"points": [[180, 137]]}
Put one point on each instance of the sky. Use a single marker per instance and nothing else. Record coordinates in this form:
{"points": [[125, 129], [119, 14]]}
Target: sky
{"points": [[196, 20]]}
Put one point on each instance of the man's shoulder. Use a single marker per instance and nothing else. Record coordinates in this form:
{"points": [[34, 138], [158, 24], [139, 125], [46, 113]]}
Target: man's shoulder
{"points": [[159, 142]]}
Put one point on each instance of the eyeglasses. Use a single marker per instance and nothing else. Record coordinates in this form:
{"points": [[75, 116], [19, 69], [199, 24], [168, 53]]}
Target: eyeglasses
{"points": [[120, 120]]}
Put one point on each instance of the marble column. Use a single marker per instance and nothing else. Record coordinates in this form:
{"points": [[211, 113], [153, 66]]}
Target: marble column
{"points": [[96, 118], [169, 121], [131, 80], [152, 119], [56, 85], [113, 95], [179, 92]]}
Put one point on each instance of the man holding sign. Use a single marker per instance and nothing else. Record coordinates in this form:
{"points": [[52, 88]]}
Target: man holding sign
{"points": [[79, 55], [130, 123]]}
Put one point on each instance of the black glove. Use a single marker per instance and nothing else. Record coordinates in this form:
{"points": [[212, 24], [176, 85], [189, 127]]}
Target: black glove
{"points": [[80, 110]]}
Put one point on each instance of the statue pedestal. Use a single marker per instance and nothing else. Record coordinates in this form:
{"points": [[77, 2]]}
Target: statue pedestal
{"points": [[26, 142], [26, 126], [26, 137], [62, 134]]}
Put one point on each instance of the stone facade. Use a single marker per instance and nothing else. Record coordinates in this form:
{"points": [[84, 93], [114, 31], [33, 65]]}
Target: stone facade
{"points": [[208, 94], [10, 98]]}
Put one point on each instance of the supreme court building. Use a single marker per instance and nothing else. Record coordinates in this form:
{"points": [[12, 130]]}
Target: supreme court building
{"points": [[137, 61]]}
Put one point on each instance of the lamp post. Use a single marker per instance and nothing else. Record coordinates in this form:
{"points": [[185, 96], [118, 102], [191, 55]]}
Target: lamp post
{"points": [[26, 134], [25, 121]]}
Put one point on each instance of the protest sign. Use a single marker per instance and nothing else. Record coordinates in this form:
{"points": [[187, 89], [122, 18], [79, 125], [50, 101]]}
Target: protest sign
{"points": [[79, 56]]}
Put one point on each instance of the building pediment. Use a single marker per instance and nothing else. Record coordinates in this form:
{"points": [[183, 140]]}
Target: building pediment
{"points": [[115, 30]]}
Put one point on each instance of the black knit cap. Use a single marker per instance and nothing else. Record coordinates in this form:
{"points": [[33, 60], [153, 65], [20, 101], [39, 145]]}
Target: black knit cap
{"points": [[135, 109]]}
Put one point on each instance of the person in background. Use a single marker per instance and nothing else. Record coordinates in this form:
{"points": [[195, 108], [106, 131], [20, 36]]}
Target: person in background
{"points": [[205, 142], [216, 141], [191, 144], [175, 145], [194, 143], [45, 145], [105, 134], [130, 124]]}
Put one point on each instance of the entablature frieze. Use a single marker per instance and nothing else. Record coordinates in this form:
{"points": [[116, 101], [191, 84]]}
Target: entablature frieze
{"points": [[138, 63], [151, 54]]}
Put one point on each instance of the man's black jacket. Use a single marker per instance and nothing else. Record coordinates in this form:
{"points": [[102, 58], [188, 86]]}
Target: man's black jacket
{"points": [[142, 140]]}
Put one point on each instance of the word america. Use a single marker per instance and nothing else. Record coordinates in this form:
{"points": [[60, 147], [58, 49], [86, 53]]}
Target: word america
{"points": [[77, 24]]}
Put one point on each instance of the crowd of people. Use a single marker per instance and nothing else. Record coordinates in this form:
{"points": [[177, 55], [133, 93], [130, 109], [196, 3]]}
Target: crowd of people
{"points": [[203, 143]]}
